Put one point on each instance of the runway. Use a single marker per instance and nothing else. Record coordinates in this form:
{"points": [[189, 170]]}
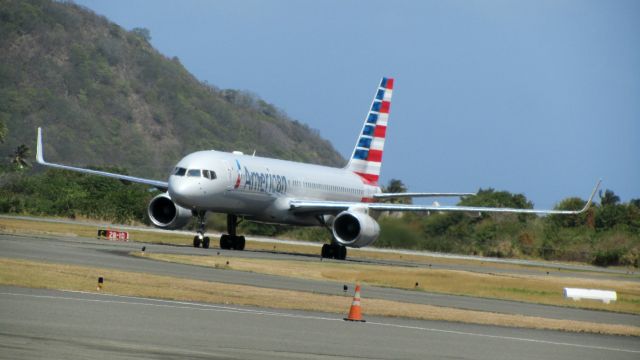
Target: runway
{"points": [[71, 325], [107, 254]]}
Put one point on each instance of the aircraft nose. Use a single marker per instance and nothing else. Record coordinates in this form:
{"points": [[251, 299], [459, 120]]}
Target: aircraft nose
{"points": [[180, 191]]}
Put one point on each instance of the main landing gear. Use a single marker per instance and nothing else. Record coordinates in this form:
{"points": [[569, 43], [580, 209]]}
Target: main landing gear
{"points": [[334, 251], [229, 241]]}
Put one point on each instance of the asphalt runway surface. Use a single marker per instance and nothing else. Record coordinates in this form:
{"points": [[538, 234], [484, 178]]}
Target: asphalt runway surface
{"points": [[115, 255], [36, 323]]}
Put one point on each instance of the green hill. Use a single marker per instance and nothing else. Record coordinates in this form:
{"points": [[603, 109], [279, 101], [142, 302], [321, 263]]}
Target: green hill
{"points": [[106, 97]]}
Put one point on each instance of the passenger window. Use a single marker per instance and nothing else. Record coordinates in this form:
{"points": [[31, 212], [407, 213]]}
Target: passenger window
{"points": [[179, 171], [193, 173]]}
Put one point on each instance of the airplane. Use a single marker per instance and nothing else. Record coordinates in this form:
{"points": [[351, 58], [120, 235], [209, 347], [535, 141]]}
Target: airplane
{"points": [[249, 187]]}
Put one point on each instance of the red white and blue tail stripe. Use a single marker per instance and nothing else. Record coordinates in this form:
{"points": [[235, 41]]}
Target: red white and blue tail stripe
{"points": [[366, 159]]}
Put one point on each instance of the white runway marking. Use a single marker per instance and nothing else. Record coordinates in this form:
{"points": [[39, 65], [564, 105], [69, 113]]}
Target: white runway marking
{"points": [[508, 338], [221, 308]]}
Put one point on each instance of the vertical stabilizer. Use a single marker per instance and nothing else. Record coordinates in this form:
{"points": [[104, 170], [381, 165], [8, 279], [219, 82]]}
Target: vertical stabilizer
{"points": [[366, 159]]}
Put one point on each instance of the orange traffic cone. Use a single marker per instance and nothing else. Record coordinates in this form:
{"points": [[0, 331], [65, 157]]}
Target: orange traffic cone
{"points": [[354, 313]]}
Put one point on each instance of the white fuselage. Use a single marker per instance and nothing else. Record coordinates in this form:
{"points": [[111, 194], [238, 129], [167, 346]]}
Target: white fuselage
{"points": [[260, 188]]}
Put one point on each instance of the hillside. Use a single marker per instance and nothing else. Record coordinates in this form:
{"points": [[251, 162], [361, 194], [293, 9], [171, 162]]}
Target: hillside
{"points": [[106, 97]]}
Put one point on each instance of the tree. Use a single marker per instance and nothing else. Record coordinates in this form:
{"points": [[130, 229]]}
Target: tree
{"points": [[492, 198], [570, 221], [19, 156], [609, 198], [143, 33], [396, 186]]}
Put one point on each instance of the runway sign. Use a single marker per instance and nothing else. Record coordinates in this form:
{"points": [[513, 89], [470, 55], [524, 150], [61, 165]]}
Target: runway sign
{"points": [[113, 235]]}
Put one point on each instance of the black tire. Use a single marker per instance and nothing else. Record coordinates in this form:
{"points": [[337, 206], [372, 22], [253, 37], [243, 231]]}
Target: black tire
{"points": [[205, 242], [341, 252], [196, 241], [327, 251], [224, 242], [240, 243]]}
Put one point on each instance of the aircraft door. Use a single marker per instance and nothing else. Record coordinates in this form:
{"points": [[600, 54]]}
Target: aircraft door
{"points": [[229, 176]]}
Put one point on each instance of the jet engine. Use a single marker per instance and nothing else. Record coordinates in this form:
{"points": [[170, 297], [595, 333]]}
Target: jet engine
{"points": [[355, 229], [166, 214]]}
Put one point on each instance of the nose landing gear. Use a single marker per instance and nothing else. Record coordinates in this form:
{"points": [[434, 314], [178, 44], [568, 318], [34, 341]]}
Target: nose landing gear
{"points": [[200, 238]]}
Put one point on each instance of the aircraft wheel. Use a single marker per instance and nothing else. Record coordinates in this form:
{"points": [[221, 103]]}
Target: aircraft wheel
{"points": [[196, 241], [340, 252], [327, 251], [224, 242], [240, 243], [205, 242]]}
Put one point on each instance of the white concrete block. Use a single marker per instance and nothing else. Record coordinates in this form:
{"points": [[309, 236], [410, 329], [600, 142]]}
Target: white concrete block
{"points": [[605, 296]]}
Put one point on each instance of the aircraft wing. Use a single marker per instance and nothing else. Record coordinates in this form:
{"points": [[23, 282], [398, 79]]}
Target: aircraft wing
{"points": [[161, 185], [412, 195], [332, 207]]}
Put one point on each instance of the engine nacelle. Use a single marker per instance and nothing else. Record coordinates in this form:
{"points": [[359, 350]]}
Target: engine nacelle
{"points": [[355, 229], [166, 214]]}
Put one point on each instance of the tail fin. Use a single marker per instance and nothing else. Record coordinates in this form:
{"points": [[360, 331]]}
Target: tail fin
{"points": [[366, 159]]}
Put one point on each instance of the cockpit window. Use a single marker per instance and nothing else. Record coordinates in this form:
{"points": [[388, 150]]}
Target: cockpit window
{"points": [[209, 174], [193, 173], [179, 171]]}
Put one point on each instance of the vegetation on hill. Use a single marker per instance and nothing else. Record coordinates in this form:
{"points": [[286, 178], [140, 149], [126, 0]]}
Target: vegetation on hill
{"points": [[105, 96]]}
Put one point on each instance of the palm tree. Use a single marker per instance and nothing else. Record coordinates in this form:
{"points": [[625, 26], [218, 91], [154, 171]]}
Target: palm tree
{"points": [[396, 186], [609, 198], [19, 156]]}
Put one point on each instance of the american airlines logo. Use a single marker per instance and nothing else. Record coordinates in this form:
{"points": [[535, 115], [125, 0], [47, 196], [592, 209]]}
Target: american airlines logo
{"points": [[261, 182]]}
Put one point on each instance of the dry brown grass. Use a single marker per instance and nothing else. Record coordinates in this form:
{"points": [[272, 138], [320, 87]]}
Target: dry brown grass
{"points": [[80, 278], [526, 288], [19, 226]]}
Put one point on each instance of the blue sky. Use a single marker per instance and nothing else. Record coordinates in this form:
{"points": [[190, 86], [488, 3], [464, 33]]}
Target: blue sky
{"points": [[535, 97]]}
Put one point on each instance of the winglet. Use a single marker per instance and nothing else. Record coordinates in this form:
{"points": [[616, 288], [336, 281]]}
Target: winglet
{"points": [[39, 156], [595, 189]]}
